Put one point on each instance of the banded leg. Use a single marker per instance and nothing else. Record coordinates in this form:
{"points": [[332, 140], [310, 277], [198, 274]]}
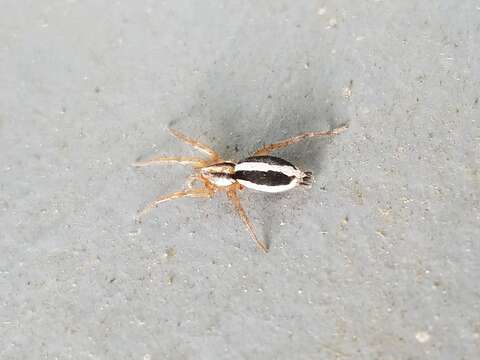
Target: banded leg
{"points": [[200, 193], [196, 144], [267, 149], [195, 162], [233, 196]]}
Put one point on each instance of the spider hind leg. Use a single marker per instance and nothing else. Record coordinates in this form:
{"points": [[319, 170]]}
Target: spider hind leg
{"points": [[267, 149]]}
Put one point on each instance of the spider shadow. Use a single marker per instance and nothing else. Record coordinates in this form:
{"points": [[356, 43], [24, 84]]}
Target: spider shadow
{"points": [[226, 114]]}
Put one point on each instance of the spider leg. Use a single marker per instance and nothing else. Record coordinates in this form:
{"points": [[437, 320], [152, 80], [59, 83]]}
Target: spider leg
{"points": [[233, 196], [197, 145], [267, 149], [192, 179], [195, 162], [200, 193]]}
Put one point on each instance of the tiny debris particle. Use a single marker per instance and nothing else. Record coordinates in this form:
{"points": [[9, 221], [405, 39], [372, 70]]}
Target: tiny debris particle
{"points": [[332, 22], [322, 11], [380, 233], [347, 92], [422, 337], [170, 252], [135, 232]]}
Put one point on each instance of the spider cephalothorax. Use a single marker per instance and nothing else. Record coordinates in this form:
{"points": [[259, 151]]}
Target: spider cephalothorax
{"points": [[219, 174], [260, 172]]}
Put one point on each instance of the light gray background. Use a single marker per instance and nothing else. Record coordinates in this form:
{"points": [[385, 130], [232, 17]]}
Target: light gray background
{"points": [[379, 260]]}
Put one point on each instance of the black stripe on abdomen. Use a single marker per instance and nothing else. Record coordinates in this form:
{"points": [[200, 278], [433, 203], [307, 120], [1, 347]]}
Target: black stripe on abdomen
{"points": [[270, 178], [266, 159]]}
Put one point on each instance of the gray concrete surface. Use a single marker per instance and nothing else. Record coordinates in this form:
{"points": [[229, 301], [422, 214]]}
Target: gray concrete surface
{"points": [[379, 260]]}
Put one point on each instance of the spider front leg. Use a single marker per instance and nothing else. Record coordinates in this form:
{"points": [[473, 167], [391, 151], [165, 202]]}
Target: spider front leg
{"points": [[196, 144], [197, 193], [192, 179], [195, 162], [233, 196], [267, 149]]}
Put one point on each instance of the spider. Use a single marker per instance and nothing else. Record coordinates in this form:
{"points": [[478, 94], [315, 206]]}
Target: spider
{"points": [[260, 172]]}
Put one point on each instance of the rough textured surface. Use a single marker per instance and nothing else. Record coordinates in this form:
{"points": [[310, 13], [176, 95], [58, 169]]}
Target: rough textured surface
{"points": [[379, 260]]}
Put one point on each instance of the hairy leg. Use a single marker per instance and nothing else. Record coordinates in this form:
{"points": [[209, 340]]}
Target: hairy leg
{"points": [[233, 196], [195, 162], [201, 193], [267, 149], [196, 144]]}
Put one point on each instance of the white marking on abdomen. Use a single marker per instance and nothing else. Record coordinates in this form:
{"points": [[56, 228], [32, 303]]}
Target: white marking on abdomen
{"points": [[268, 188]]}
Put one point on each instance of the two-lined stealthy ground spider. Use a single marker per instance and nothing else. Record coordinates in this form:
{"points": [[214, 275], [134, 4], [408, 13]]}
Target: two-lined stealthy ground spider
{"points": [[260, 172]]}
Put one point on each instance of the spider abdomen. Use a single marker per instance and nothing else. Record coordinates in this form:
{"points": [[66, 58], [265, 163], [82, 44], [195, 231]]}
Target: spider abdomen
{"points": [[269, 174]]}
